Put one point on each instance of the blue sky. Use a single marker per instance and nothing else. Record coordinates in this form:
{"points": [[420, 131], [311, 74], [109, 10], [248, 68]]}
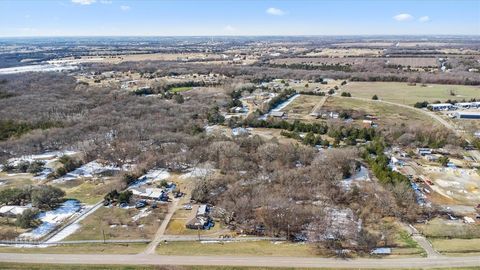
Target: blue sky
{"points": [[237, 17]]}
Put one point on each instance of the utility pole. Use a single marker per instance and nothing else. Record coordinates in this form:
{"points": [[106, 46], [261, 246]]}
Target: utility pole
{"points": [[198, 231], [103, 233]]}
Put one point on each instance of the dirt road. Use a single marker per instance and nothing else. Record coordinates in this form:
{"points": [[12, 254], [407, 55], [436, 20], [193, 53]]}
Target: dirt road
{"points": [[161, 230], [239, 261]]}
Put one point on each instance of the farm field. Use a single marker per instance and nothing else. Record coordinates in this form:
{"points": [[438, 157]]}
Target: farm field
{"points": [[386, 113], [404, 94], [121, 224]]}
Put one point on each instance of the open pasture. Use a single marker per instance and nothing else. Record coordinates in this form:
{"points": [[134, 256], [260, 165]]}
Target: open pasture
{"points": [[403, 93]]}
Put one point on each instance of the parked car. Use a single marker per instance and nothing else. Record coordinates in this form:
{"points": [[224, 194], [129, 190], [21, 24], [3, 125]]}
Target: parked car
{"points": [[123, 205], [106, 203], [140, 204], [187, 207]]}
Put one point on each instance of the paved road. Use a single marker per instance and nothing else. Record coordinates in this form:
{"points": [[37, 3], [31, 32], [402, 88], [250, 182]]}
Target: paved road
{"points": [[161, 230], [421, 241], [144, 259]]}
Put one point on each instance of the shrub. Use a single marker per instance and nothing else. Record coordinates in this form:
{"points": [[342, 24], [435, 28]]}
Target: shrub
{"points": [[26, 219]]}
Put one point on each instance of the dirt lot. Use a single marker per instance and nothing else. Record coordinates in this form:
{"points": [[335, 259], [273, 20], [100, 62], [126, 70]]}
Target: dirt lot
{"points": [[405, 94], [460, 186]]}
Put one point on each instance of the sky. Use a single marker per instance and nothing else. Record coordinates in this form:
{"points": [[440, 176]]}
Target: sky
{"points": [[238, 17]]}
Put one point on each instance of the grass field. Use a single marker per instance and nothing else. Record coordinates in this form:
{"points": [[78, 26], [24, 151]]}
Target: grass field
{"points": [[403, 93], [252, 248], [117, 223], [88, 192], [438, 228], [302, 106], [456, 245], [19, 180], [98, 248], [386, 113], [180, 89], [16, 266]]}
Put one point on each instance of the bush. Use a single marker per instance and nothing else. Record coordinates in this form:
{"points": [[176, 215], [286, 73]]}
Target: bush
{"points": [[26, 219], [375, 97], [35, 167], [46, 197], [443, 160], [124, 197], [346, 94], [420, 105]]}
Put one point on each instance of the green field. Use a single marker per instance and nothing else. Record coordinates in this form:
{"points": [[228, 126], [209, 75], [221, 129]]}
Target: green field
{"points": [[403, 93], [180, 89]]}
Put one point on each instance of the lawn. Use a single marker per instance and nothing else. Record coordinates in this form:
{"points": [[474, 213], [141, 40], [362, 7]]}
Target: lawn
{"points": [[177, 227], [180, 89], [399, 92], [456, 245], [88, 192], [243, 248], [98, 248], [117, 223], [15, 180]]}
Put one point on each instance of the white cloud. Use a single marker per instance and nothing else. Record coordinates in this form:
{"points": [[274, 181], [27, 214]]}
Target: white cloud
{"points": [[424, 19], [107, 2], [125, 8], [84, 2], [403, 17], [229, 28], [275, 11]]}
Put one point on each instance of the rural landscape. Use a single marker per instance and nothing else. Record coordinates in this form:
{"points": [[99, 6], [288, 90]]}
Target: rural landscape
{"points": [[238, 151]]}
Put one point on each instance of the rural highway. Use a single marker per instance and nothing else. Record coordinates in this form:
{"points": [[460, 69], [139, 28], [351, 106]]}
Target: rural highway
{"points": [[144, 259]]}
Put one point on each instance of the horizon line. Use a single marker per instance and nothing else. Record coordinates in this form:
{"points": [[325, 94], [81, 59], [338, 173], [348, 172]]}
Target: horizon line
{"points": [[272, 35]]}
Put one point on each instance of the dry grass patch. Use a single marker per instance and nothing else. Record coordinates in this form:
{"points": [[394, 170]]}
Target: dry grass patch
{"points": [[117, 223], [405, 94], [250, 248], [97, 248]]}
